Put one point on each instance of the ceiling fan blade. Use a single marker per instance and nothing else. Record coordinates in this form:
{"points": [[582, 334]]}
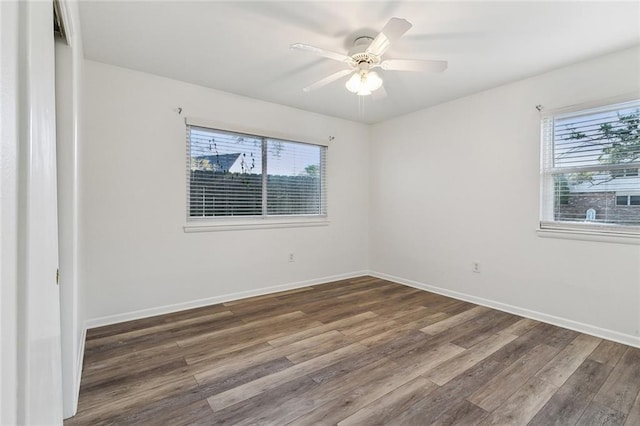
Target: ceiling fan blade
{"points": [[322, 52], [392, 31], [413, 65], [329, 79]]}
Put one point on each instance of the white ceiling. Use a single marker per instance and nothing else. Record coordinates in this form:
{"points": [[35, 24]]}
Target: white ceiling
{"points": [[243, 47]]}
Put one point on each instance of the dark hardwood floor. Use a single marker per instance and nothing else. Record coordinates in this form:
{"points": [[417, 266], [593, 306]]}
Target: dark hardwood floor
{"points": [[356, 352]]}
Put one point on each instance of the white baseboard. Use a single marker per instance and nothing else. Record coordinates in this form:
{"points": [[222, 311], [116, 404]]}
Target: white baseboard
{"points": [[78, 376], [623, 338], [80, 363], [160, 310]]}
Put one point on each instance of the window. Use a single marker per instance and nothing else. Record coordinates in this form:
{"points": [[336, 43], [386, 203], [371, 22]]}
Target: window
{"points": [[628, 200], [625, 172], [246, 176], [590, 161]]}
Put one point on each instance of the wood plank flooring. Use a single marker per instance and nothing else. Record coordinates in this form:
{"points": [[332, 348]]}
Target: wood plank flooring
{"points": [[362, 351]]}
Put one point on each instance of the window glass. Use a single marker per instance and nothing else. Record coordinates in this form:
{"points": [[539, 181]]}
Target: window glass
{"points": [[293, 178]]}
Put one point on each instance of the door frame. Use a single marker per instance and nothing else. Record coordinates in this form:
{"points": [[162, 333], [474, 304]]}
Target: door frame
{"points": [[30, 310], [8, 212]]}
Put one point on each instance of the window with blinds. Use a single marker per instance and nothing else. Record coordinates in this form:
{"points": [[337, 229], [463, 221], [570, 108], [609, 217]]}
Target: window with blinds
{"points": [[590, 170], [238, 175]]}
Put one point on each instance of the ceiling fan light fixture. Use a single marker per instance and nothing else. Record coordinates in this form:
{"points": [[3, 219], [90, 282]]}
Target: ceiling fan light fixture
{"points": [[363, 83], [354, 83], [374, 82]]}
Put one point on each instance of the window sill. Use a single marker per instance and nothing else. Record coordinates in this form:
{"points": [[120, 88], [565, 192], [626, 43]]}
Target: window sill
{"points": [[249, 224], [584, 235]]}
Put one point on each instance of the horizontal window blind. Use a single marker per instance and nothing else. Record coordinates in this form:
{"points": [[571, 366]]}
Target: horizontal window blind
{"points": [[295, 178], [225, 174], [590, 169], [237, 175]]}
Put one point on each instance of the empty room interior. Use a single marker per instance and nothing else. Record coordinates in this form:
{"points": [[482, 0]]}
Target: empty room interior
{"points": [[320, 212]]}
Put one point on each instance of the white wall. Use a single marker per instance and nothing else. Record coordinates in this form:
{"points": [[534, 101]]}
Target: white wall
{"points": [[459, 183], [69, 64], [137, 258]]}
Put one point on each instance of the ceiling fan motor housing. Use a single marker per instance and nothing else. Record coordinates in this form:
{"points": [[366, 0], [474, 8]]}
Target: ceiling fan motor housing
{"points": [[359, 51]]}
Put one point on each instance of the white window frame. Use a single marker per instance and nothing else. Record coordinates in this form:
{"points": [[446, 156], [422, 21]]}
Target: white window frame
{"points": [[547, 227], [227, 223]]}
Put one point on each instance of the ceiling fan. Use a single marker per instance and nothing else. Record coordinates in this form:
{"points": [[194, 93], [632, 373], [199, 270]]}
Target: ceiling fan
{"points": [[366, 55]]}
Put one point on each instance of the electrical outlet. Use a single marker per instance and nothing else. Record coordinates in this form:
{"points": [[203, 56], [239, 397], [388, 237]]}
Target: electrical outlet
{"points": [[475, 267], [291, 257]]}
